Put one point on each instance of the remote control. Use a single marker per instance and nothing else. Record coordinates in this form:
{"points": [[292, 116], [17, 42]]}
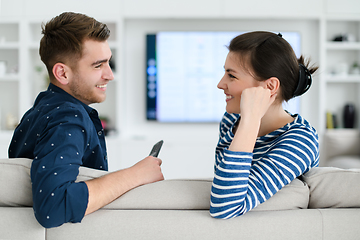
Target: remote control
{"points": [[156, 149]]}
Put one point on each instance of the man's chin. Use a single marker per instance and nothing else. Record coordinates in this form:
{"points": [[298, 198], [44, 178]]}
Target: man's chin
{"points": [[100, 98], [97, 100]]}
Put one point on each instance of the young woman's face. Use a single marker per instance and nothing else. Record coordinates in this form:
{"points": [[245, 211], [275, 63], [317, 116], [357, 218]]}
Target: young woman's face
{"points": [[234, 81]]}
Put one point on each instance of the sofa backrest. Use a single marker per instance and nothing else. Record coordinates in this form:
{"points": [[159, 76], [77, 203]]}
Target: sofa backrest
{"points": [[319, 188], [182, 194]]}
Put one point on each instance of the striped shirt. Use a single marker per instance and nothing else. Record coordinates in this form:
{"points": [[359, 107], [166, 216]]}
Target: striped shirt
{"points": [[243, 180]]}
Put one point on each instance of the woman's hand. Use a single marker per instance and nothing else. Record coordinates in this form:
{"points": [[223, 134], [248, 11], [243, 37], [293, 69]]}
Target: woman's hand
{"points": [[255, 102]]}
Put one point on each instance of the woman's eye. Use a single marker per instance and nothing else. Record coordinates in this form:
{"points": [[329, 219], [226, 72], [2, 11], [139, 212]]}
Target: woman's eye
{"points": [[231, 76]]}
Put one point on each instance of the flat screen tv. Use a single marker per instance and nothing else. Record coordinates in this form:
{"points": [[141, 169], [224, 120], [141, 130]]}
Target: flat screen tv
{"points": [[183, 69]]}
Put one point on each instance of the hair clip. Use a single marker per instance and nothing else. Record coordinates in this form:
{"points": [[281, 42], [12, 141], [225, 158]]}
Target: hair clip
{"points": [[304, 81], [280, 35]]}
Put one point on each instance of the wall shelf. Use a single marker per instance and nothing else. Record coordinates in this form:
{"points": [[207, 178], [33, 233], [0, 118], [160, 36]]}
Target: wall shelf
{"points": [[10, 77], [343, 79], [343, 45], [338, 86]]}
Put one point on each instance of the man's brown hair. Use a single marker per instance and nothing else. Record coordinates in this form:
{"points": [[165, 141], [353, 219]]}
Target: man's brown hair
{"points": [[64, 36]]}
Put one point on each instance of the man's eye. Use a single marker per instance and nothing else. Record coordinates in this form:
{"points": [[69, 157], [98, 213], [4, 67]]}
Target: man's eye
{"points": [[98, 66]]}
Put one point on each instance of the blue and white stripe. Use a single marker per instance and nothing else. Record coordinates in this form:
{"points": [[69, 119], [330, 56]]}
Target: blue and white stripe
{"points": [[244, 180]]}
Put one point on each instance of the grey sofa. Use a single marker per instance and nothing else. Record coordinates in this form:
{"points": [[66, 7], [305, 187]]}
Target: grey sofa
{"points": [[324, 204]]}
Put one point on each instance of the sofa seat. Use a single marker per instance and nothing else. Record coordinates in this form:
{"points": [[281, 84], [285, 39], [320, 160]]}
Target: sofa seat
{"points": [[193, 224], [20, 223], [330, 224]]}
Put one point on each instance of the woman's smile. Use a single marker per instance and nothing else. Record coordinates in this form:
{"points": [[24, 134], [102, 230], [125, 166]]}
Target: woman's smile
{"points": [[228, 97]]}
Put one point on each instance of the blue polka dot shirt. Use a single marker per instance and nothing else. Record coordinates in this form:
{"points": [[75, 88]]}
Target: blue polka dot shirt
{"points": [[60, 134]]}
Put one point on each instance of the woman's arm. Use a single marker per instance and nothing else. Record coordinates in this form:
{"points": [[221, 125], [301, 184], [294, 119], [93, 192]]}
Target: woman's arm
{"points": [[255, 102], [244, 180]]}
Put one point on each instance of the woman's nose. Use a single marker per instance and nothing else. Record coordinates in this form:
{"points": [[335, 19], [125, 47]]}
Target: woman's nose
{"points": [[221, 83]]}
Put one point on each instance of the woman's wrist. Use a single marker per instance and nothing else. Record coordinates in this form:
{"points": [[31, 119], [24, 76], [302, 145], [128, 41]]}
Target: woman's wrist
{"points": [[245, 135]]}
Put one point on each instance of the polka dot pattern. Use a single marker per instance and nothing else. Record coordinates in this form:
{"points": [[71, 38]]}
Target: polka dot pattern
{"points": [[60, 133]]}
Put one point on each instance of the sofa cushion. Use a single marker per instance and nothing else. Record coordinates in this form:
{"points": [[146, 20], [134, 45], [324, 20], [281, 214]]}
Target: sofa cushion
{"points": [[15, 190], [333, 187], [195, 195], [295, 195], [15, 182]]}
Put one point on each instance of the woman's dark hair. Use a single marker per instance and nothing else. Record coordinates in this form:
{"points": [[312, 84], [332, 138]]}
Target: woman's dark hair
{"points": [[266, 55], [64, 36]]}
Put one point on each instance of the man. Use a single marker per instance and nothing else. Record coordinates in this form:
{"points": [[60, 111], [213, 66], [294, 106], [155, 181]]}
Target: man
{"points": [[61, 132]]}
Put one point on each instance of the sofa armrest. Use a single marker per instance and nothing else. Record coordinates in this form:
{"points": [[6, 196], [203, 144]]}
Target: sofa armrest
{"points": [[338, 142], [333, 187]]}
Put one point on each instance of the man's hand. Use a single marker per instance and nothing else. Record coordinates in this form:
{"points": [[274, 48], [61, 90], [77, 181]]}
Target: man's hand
{"points": [[147, 171], [106, 189]]}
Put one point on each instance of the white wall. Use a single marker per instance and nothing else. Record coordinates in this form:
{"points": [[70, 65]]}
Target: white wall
{"points": [[188, 149]]}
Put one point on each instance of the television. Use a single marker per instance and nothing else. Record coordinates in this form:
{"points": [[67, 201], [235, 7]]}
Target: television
{"points": [[183, 69]]}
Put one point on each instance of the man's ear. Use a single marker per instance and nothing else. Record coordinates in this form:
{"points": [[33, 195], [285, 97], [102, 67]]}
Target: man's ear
{"points": [[273, 84], [61, 73]]}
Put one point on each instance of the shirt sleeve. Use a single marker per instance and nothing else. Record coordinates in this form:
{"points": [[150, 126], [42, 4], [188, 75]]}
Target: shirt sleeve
{"points": [[243, 181], [58, 155]]}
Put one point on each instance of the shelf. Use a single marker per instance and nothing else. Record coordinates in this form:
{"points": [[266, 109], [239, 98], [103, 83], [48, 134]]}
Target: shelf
{"points": [[9, 45], [343, 45], [339, 57], [10, 77], [343, 78], [343, 18]]}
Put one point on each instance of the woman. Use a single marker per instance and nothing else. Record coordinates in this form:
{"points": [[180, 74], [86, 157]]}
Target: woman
{"points": [[261, 146]]}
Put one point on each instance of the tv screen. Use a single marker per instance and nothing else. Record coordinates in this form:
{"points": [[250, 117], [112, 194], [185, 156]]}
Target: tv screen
{"points": [[183, 70]]}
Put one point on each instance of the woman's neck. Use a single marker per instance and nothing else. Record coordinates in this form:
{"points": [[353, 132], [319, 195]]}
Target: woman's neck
{"points": [[275, 118]]}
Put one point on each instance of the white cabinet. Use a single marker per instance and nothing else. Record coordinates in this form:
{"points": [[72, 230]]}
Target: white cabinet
{"points": [[340, 62]]}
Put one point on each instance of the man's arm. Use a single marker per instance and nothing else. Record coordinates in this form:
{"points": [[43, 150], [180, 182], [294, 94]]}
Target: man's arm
{"points": [[106, 189], [61, 148]]}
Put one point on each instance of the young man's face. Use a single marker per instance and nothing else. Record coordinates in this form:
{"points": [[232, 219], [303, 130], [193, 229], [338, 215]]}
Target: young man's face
{"points": [[92, 73]]}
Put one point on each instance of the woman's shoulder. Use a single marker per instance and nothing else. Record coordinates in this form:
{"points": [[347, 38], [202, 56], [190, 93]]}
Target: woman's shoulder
{"points": [[301, 129], [299, 126], [301, 123]]}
